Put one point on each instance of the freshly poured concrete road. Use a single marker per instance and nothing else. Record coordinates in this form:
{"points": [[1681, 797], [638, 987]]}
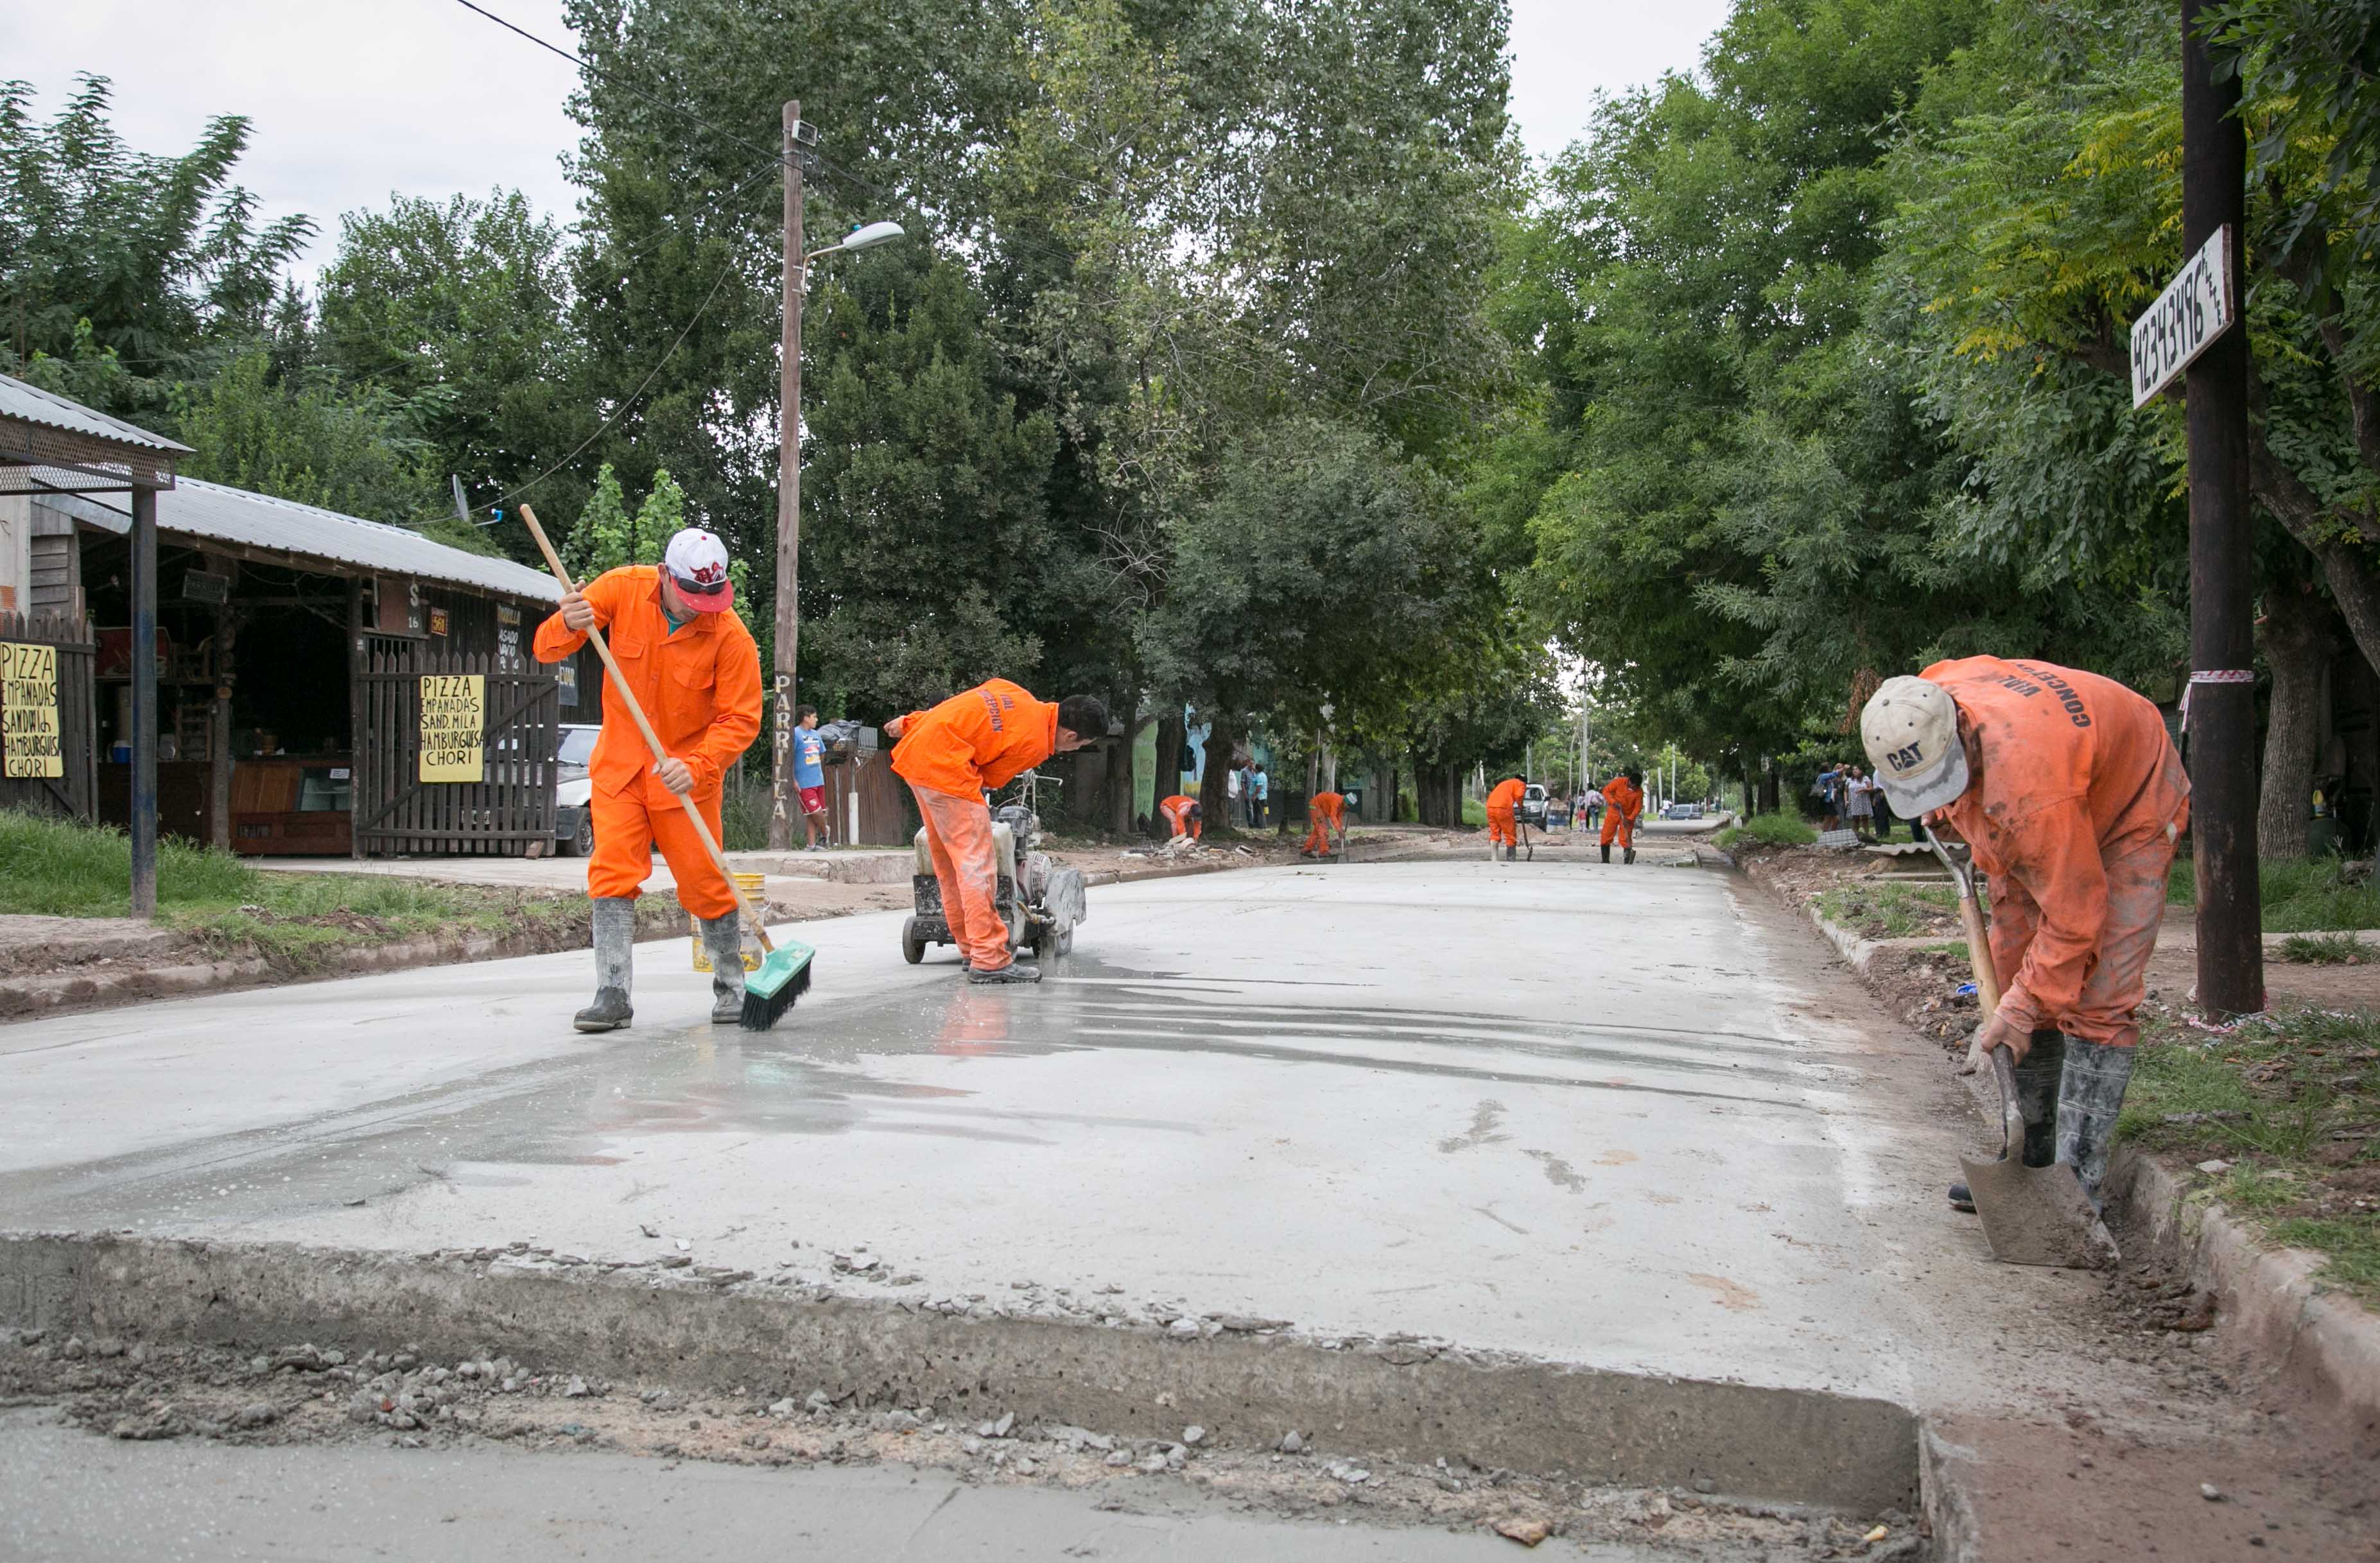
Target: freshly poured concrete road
{"points": [[1606, 1115]]}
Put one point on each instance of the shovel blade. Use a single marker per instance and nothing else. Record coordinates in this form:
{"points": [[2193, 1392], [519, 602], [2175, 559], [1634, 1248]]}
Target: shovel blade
{"points": [[2038, 1215]]}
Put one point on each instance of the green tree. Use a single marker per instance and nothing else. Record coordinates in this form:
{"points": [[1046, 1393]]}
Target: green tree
{"points": [[306, 439], [462, 308], [659, 518], [603, 538]]}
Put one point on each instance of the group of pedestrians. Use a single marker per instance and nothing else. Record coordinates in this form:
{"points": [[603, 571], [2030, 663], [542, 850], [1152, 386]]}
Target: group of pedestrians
{"points": [[1852, 799], [1248, 795]]}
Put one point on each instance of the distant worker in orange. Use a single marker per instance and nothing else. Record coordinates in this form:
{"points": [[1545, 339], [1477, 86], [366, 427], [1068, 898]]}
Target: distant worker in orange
{"points": [[1623, 804], [1502, 831], [1327, 815], [1183, 815], [693, 667], [2068, 789], [950, 755]]}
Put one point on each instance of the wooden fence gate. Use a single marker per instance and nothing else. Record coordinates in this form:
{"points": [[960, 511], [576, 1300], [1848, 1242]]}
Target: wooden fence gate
{"points": [[505, 812], [75, 791]]}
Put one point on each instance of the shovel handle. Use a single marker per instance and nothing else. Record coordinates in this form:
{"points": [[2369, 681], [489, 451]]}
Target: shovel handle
{"points": [[652, 739], [2011, 1116]]}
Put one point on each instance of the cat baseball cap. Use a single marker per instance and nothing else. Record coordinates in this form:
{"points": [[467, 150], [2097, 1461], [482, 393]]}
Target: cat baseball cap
{"points": [[698, 563], [1911, 729]]}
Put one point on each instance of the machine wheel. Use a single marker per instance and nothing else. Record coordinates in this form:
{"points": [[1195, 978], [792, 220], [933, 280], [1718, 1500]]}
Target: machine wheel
{"points": [[913, 943], [1059, 944]]}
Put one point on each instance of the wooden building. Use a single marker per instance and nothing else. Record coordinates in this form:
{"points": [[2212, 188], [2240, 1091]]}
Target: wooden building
{"points": [[291, 651]]}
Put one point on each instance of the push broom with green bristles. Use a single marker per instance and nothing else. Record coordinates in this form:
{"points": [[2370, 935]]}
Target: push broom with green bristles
{"points": [[784, 975]]}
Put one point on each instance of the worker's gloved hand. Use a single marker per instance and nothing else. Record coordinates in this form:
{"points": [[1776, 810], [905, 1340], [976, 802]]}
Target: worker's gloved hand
{"points": [[2001, 1031], [577, 613], [675, 776]]}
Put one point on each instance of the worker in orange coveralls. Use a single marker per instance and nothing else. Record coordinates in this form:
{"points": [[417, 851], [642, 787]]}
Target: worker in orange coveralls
{"points": [[1503, 799], [695, 673], [1327, 814], [1624, 801], [950, 755], [1184, 816], [2070, 792]]}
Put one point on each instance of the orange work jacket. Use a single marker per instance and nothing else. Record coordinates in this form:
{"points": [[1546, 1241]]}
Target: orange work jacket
{"points": [[1507, 794], [700, 687], [976, 741], [1328, 806], [1623, 797], [2074, 767]]}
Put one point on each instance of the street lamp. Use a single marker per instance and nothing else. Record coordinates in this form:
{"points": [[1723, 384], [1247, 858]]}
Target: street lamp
{"points": [[794, 280]]}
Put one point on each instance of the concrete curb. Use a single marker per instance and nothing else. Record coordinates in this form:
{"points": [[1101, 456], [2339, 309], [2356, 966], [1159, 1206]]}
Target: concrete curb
{"points": [[2273, 1302], [1394, 1400], [29, 995]]}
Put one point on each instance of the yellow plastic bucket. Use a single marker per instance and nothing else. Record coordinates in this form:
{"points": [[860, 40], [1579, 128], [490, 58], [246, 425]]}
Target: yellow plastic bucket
{"points": [[750, 885]]}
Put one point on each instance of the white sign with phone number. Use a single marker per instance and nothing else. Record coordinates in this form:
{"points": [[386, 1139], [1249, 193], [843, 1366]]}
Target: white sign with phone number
{"points": [[2195, 308]]}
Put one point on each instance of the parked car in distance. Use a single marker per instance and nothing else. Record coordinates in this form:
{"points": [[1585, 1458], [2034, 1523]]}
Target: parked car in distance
{"points": [[574, 822], [1533, 807], [1683, 811]]}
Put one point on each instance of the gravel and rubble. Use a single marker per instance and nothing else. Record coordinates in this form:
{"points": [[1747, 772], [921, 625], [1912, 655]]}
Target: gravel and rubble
{"points": [[391, 1394]]}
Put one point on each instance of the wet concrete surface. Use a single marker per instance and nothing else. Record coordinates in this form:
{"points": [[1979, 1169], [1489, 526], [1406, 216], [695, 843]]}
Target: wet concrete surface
{"points": [[76, 1496], [1623, 1117]]}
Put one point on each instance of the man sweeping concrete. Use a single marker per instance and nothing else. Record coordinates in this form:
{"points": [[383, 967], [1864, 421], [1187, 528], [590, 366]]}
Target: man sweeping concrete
{"points": [[1504, 833], [693, 668], [2068, 791], [950, 755], [1624, 800]]}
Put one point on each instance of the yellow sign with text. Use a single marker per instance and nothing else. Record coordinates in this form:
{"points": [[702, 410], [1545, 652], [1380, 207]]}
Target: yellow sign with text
{"points": [[454, 724], [30, 736]]}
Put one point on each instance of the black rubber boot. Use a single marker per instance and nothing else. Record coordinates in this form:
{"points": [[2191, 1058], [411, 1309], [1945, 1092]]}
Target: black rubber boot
{"points": [[1963, 1198], [2090, 1096], [1628, 854], [723, 941], [1606, 851], [2036, 1094], [616, 950], [1016, 971]]}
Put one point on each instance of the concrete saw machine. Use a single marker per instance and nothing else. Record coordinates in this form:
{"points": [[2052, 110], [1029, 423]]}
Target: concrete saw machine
{"points": [[1041, 901]]}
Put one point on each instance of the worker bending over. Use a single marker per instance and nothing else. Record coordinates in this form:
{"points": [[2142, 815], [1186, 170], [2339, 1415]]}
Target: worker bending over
{"points": [[1623, 802], [1183, 815], [1503, 799], [1326, 815], [693, 668], [2071, 794], [950, 755]]}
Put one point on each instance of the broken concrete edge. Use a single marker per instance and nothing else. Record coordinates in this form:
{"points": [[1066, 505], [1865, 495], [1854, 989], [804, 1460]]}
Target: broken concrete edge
{"points": [[656, 918], [1945, 1474], [1386, 1400], [2274, 1305]]}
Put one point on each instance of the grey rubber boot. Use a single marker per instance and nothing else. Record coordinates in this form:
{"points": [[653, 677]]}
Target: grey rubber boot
{"points": [[1016, 971], [2036, 1094], [723, 941], [615, 956], [2090, 1095]]}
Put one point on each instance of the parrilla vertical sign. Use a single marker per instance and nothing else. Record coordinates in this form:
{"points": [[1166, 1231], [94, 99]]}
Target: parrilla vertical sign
{"points": [[29, 710], [2195, 308], [454, 725]]}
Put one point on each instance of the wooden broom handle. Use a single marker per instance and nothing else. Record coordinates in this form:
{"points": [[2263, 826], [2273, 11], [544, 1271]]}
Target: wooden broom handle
{"points": [[628, 698]]}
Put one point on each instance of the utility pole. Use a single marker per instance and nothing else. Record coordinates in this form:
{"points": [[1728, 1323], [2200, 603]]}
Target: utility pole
{"points": [[2222, 567], [789, 497]]}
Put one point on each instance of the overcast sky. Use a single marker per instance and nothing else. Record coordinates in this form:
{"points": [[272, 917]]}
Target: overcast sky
{"points": [[355, 99]]}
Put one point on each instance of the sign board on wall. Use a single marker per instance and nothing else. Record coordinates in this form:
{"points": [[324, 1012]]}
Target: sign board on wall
{"points": [[29, 710], [2195, 308], [454, 727]]}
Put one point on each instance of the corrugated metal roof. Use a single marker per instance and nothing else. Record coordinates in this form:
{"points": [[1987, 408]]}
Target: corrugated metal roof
{"points": [[33, 405], [210, 510]]}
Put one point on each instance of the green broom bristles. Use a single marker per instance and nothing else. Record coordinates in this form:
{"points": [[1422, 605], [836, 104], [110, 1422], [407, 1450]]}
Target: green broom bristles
{"points": [[770, 991]]}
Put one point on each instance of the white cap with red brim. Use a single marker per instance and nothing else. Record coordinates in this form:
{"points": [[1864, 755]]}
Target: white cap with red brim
{"points": [[697, 561]]}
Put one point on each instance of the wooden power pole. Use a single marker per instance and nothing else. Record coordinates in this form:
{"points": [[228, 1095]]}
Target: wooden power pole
{"points": [[789, 500], [2222, 567]]}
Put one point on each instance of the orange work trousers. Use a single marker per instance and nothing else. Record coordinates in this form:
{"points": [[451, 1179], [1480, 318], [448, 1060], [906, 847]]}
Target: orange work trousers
{"points": [[2107, 1010], [1500, 830], [628, 829], [1617, 824], [958, 838], [1317, 835]]}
